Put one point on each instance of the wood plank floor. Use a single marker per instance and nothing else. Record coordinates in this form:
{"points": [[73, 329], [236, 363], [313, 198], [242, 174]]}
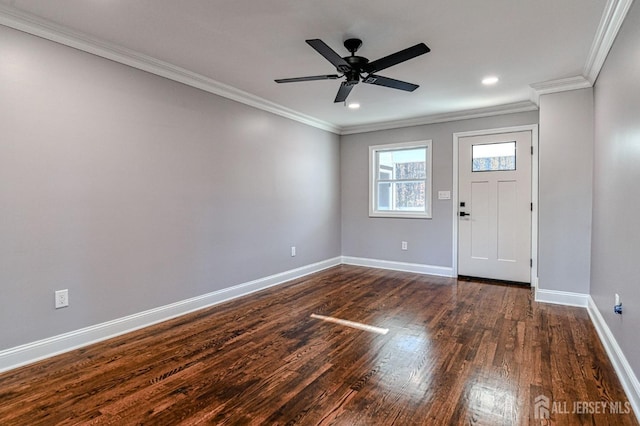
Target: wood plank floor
{"points": [[456, 353]]}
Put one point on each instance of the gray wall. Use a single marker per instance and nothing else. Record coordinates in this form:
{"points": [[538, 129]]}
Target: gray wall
{"points": [[615, 258], [134, 191], [565, 190], [429, 240]]}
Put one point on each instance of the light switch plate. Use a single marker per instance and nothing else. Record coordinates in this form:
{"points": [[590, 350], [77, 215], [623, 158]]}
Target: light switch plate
{"points": [[444, 195]]}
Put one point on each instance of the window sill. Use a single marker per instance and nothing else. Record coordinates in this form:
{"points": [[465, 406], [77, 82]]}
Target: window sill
{"points": [[400, 215]]}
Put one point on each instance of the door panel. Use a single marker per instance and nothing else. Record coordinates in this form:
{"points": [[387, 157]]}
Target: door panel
{"points": [[494, 228], [507, 220], [480, 225]]}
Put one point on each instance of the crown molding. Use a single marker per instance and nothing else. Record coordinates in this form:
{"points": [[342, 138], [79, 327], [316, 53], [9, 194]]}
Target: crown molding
{"points": [[13, 18], [612, 18], [442, 118], [555, 86]]}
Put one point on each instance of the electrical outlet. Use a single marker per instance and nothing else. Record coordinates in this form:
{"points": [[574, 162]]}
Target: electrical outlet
{"points": [[404, 245], [293, 251], [62, 298], [617, 308]]}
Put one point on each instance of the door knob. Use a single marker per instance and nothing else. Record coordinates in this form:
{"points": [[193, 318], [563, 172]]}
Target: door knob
{"points": [[463, 214]]}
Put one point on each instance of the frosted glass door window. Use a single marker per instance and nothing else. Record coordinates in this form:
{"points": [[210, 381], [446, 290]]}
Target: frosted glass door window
{"points": [[493, 157]]}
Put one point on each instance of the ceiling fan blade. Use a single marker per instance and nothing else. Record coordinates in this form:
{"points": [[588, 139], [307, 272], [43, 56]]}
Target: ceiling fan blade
{"points": [[329, 54], [343, 92], [396, 58], [309, 78], [379, 80]]}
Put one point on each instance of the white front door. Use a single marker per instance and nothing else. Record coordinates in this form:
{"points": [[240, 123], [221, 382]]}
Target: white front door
{"points": [[494, 206]]}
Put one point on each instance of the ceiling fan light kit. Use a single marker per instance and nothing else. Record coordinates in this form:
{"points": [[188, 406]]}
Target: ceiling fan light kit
{"points": [[356, 69]]}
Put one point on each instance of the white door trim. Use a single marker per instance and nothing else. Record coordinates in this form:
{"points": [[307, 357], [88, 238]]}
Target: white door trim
{"points": [[533, 128]]}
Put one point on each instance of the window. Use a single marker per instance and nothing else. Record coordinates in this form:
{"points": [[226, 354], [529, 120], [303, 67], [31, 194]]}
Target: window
{"points": [[493, 157], [400, 180]]}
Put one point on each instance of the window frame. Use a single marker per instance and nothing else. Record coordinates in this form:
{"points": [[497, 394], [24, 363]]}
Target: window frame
{"points": [[373, 180]]}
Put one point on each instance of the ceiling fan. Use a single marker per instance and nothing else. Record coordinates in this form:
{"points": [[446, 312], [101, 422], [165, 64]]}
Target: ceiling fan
{"points": [[356, 68]]}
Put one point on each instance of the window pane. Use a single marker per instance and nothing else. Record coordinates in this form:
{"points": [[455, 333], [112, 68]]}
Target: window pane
{"points": [[384, 196], [385, 172], [402, 164], [409, 196], [404, 196], [494, 157]]}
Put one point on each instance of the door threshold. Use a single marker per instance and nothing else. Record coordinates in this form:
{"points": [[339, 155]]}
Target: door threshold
{"points": [[493, 281]]}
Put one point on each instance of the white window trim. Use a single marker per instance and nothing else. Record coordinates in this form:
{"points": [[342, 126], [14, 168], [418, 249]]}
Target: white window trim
{"points": [[428, 187]]}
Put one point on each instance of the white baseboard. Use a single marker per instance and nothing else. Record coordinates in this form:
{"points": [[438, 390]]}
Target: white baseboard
{"points": [[562, 297], [31, 352], [399, 266], [624, 371]]}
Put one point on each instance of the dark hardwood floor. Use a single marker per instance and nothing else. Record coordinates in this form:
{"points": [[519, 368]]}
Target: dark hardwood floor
{"points": [[456, 353]]}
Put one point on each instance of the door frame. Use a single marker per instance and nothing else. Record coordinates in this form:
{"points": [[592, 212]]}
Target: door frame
{"points": [[533, 128]]}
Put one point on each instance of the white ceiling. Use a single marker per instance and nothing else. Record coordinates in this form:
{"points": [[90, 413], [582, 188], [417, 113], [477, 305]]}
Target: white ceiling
{"points": [[247, 44]]}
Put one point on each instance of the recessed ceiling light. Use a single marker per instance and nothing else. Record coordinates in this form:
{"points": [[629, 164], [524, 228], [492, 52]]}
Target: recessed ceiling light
{"points": [[353, 105], [488, 81]]}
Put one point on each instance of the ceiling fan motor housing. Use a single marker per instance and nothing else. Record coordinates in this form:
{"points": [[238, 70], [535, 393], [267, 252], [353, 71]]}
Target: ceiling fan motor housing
{"points": [[357, 64]]}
